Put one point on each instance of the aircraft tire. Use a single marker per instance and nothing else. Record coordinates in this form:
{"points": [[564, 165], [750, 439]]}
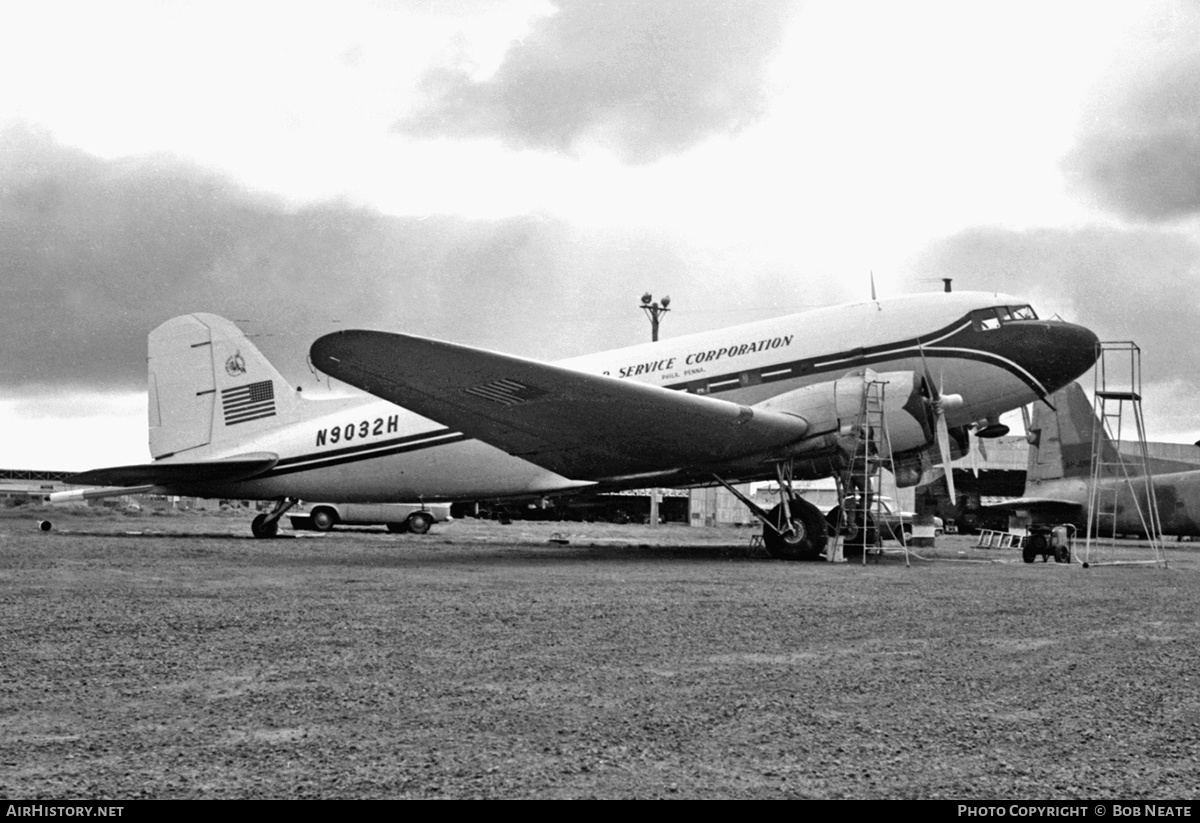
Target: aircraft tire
{"points": [[419, 522], [849, 530], [810, 536], [322, 519], [262, 529]]}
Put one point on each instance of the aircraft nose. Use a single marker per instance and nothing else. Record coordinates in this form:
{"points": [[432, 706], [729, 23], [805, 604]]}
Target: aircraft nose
{"points": [[1064, 353]]}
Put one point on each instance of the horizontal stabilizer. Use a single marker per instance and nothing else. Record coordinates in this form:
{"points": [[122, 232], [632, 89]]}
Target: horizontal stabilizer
{"points": [[579, 425], [178, 474], [96, 492]]}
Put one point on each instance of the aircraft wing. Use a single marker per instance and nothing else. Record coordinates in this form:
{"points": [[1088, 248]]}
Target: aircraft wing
{"points": [[178, 474], [1058, 508], [1033, 503], [582, 426]]}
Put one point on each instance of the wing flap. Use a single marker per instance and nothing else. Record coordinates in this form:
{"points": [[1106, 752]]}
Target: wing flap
{"points": [[582, 426], [178, 473]]}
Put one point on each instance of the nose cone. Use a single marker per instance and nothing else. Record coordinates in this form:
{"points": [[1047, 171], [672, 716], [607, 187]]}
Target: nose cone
{"points": [[1058, 353]]}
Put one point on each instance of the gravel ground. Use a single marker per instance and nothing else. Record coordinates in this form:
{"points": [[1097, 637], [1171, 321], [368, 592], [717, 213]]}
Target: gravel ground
{"points": [[190, 661]]}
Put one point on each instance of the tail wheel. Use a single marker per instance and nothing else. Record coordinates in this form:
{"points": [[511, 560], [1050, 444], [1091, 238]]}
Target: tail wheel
{"points": [[261, 528], [806, 538], [322, 520], [419, 522]]}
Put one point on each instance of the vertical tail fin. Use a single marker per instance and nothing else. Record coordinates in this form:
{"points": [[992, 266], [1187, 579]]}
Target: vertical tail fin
{"points": [[209, 385], [1061, 441]]}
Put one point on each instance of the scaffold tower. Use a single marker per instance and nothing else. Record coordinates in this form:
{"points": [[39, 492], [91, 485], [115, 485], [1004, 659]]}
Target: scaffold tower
{"points": [[1120, 481]]}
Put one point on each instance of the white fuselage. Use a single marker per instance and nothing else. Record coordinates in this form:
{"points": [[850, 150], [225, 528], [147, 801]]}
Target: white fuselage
{"points": [[372, 450]]}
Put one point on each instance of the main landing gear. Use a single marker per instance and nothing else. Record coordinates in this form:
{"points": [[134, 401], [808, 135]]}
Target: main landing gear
{"points": [[794, 529], [267, 524]]}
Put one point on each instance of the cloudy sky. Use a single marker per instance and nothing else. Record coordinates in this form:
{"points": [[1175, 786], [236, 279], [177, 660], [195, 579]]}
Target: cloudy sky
{"points": [[515, 174]]}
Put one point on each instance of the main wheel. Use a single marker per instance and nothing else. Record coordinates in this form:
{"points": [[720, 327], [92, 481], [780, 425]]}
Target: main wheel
{"points": [[419, 522], [262, 529], [849, 529], [805, 540], [863, 537], [322, 519]]}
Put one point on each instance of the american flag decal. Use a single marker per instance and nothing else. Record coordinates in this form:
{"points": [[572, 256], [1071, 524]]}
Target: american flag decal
{"points": [[250, 402], [505, 392]]}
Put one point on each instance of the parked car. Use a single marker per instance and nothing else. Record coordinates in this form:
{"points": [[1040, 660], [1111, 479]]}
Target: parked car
{"points": [[416, 518], [893, 523], [898, 525]]}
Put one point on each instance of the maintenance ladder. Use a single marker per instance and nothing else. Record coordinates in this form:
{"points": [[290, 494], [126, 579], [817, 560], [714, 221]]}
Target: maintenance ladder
{"points": [[1118, 385], [992, 539], [870, 451]]}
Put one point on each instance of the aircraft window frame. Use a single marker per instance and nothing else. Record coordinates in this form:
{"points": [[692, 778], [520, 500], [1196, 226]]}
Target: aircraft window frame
{"points": [[994, 317], [1024, 312], [985, 319]]}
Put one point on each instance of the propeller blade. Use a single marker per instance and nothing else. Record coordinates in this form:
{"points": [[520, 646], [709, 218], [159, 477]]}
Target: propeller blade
{"points": [[940, 426], [943, 436], [930, 387]]}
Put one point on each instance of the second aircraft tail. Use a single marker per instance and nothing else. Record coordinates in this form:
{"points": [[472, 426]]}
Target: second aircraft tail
{"points": [[1061, 441]]}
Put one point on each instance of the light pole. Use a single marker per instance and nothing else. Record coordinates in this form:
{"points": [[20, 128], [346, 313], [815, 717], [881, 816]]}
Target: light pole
{"points": [[654, 311]]}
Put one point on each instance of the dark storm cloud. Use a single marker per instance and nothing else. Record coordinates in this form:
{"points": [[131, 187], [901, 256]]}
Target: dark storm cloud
{"points": [[1139, 285], [649, 79], [95, 253], [1139, 153]]}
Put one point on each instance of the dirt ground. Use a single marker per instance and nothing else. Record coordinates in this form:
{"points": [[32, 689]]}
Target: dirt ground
{"points": [[176, 657]]}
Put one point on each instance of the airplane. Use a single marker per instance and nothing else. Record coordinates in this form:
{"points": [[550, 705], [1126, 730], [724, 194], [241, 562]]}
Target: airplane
{"points": [[1059, 469], [774, 399]]}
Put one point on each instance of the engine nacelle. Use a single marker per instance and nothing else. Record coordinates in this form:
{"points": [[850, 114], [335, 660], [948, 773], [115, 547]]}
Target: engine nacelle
{"points": [[835, 407], [916, 467]]}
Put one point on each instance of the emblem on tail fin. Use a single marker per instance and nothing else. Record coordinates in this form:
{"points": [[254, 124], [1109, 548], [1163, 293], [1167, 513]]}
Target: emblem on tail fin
{"points": [[235, 365]]}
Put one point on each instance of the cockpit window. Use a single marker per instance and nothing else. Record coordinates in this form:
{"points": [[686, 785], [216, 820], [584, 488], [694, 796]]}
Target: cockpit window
{"points": [[993, 318]]}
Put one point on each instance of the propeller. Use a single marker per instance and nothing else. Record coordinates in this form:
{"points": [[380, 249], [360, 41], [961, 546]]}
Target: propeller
{"points": [[939, 401]]}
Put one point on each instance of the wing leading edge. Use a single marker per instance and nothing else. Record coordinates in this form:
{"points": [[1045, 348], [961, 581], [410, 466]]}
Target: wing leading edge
{"points": [[582, 426]]}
